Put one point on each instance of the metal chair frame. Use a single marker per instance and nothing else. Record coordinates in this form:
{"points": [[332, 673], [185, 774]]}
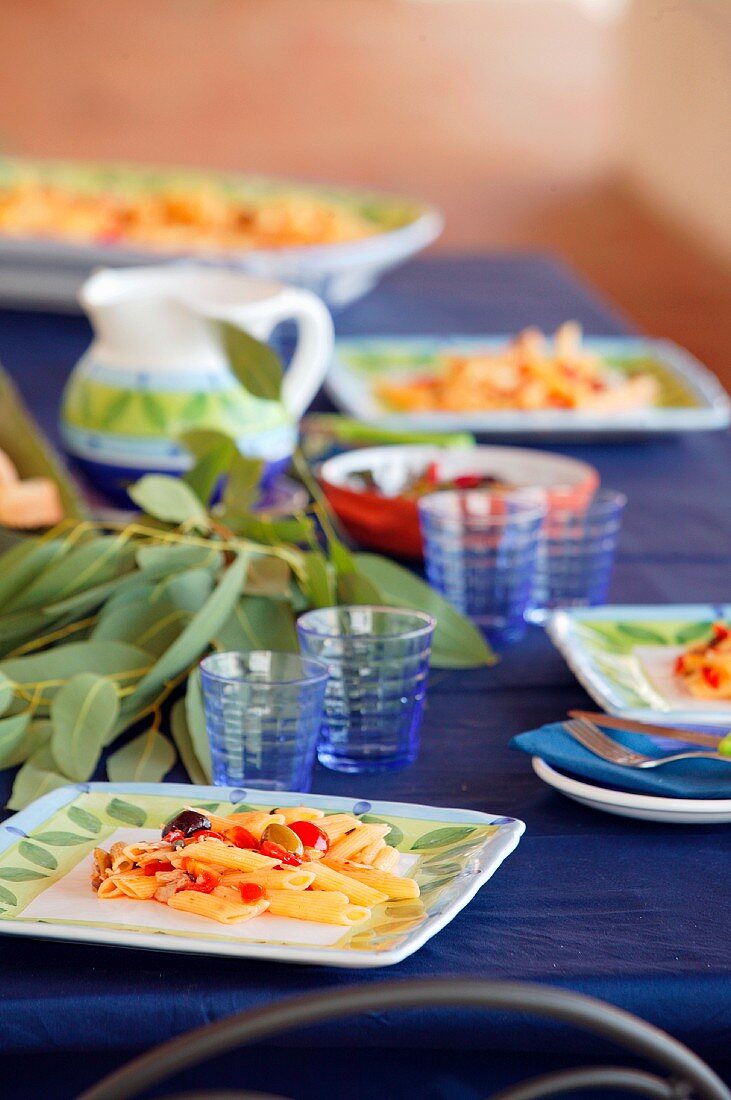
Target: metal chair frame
{"points": [[688, 1076]]}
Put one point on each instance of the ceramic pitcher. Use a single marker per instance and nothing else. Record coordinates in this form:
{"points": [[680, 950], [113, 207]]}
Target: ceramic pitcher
{"points": [[157, 368]]}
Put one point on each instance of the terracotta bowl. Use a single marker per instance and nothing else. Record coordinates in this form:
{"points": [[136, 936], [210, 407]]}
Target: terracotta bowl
{"points": [[391, 524]]}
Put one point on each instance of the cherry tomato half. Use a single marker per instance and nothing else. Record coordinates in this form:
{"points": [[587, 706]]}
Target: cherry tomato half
{"points": [[712, 677], [251, 891], [205, 882], [311, 835], [276, 851], [241, 837], [156, 865], [174, 836], [199, 834]]}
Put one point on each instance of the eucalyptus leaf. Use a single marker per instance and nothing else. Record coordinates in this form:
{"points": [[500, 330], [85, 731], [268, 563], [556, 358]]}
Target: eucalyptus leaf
{"points": [[33, 781], [138, 621], [259, 623], [195, 717], [35, 736], [186, 591], [107, 658], [268, 576], [272, 532], [354, 588], [168, 499], [254, 364], [12, 735], [195, 638], [184, 744], [7, 897], [243, 482], [457, 643], [94, 562], [82, 712], [213, 453], [25, 562], [145, 759], [320, 580], [7, 691], [161, 561]]}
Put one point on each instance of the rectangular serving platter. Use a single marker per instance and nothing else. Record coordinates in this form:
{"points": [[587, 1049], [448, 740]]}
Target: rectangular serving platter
{"points": [[692, 397], [45, 848], [624, 654]]}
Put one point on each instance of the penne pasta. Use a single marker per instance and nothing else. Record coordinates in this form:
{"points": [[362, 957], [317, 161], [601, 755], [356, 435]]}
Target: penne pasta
{"points": [[299, 813], [295, 878], [395, 887], [369, 853], [348, 846], [215, 908], [338, 882], [255, 821], [320, 905], [337, 825], [214, 853], [109, 889], [327, 878], [136, 884], [387, 859]]}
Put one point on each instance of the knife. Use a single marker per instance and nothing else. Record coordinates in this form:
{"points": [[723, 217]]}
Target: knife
{"points": [[689, 736]]}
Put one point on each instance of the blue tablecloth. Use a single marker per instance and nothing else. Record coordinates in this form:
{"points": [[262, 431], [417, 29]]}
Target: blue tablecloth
{"points": [[632, 912]]}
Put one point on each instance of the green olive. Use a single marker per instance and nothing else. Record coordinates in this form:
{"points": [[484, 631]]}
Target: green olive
{"points": [[284, 837]]}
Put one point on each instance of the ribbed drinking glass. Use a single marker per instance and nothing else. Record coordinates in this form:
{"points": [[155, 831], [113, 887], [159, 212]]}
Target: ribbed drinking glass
{"points": [[481, 549], [263, 715], [577, 554], [378, 659]]}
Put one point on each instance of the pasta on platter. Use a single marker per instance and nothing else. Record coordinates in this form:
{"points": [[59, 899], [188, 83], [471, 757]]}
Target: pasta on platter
{"points": [[294, 862]]}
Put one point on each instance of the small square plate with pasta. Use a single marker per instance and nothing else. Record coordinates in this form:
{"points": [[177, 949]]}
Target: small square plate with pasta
{"points": [[667, 664], [271, 875]]}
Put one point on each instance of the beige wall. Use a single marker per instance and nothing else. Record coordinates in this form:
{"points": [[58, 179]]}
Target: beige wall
{"points": [[483, 106], [676, 111]]}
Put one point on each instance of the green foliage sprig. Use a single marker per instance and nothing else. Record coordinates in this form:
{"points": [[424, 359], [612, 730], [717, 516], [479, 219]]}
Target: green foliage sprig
{"points": [[102, 623]]}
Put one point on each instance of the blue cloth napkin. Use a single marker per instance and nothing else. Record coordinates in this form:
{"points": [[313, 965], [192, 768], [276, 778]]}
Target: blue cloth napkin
{"points": [[682, 779]]}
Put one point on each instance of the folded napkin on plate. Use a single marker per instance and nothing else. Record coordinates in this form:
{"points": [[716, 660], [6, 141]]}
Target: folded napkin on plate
{"points": [[682, 779]]}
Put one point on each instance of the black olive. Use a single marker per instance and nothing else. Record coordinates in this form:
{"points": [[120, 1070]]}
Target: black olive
{"points": [[188, 821]]}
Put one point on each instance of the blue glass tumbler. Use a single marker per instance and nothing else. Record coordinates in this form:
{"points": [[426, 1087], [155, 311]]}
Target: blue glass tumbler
{"points": [[263, 715], [481, 550], [577, 554], [378, 659]]}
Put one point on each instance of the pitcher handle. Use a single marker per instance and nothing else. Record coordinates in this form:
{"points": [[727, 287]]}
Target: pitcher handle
{"points": [[313, 351]]}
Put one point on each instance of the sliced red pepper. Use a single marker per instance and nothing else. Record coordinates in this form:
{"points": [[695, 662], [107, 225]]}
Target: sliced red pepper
{"points": [[251, 891], [276, 851], [680, 665], [311, 835], [241, 837], [432, 473], [712, 677], [205, 882], [156, 865], [174, 836], [467, 481], [721, 632], [200, 833]]}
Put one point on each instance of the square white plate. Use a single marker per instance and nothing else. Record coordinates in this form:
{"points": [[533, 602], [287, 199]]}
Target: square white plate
{"points": [[692, 399], [624, 656], [45, 857]]}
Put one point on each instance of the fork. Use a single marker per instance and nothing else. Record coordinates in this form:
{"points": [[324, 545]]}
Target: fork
{"points": [[592, 738]]}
